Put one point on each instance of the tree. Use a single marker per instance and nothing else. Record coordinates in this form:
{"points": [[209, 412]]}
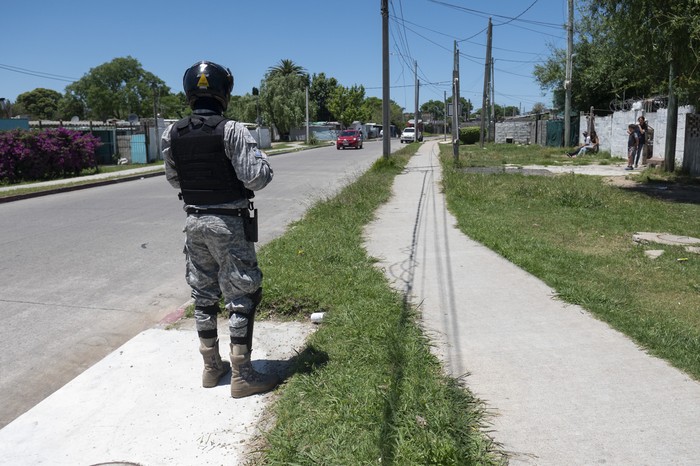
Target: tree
{"points": [[70, 106], [5, 108], [283, 96], [435, 107], [40, 104], [320, 93], [372, 109], [117, 89], [174, 106], [243, 108], [286, 67], [624, 49], [539, 107], [346, 104], [669, 32]]}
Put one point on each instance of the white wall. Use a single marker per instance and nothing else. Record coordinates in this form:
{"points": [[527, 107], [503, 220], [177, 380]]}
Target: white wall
{"points": [[612, 130]]}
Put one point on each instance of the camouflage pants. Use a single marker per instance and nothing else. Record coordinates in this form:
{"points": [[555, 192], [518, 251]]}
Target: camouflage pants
{"points": [[221, 262]]}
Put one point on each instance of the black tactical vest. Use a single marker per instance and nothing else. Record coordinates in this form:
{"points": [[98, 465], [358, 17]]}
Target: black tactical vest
{"points": [[206, 174]]}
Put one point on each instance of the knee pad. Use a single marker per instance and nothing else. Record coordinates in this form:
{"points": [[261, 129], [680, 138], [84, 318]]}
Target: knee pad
{"points": [[211, 312], [245, 317]]}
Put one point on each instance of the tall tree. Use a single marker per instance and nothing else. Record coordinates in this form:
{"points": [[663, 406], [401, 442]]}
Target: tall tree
{"points": [[174, 106], [435, 107], [346, 104], [40, 104], [372, 108], [117, 89], [320, 93], [283, 96], [286, 67], [243, 108], [623, 50]]}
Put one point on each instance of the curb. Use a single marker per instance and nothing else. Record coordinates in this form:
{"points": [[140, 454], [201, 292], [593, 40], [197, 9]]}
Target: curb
{"points": [[19, 197]]}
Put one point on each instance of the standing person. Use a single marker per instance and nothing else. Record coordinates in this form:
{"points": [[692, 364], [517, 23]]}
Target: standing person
{"points": [[216, 164], [642, 132], [632, 144]]}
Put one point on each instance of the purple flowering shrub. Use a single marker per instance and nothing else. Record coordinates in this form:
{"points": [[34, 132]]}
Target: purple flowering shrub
{"points": [[44, 155]]}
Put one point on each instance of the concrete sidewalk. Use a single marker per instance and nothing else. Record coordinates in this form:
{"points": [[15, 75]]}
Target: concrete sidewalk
{"points": [[563, 388]]}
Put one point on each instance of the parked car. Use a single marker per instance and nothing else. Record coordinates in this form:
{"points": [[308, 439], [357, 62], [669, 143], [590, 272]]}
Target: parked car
{"points": [[408, 135], [349, 138]]}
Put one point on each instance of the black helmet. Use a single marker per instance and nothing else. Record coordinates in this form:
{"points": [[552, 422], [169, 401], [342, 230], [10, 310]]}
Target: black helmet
{"points": [[207, 79]]}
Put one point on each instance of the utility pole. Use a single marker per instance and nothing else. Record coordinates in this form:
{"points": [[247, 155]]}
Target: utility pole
{"points": [[487, 70], [567, 81], [671, 121], [444, 127], [492, 107], [415, 114], [307, 114], [386, 99], [455, 104]]}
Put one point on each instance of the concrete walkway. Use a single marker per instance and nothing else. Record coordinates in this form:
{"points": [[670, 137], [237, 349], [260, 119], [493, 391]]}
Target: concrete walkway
{"points": [[563, 388]]}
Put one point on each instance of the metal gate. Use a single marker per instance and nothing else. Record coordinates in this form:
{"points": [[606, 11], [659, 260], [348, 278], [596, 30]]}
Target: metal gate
{"points": [[131, 144], [691, 151], [555, 133]]}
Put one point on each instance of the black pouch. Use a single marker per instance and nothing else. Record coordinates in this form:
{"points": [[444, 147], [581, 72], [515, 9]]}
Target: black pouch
{"points": [[250, 226]]}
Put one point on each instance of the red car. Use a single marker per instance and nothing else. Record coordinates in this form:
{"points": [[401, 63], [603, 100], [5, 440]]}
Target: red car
{"points": [[349, 138]]}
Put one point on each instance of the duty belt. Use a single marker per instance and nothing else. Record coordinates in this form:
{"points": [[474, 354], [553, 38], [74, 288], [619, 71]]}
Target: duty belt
{"points": [[230, 212]]}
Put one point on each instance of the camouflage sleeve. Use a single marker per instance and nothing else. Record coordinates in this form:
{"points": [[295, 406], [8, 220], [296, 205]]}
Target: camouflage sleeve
{"points": [[170, 173], [250, 163]]}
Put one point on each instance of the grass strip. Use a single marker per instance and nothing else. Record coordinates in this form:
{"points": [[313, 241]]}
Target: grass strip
{"points": [[366, 388], [575, 233]]}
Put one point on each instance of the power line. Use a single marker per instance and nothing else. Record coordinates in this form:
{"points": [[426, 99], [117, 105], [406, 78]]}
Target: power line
{"points": [[411, 85], [39, 74], [485, 14], [513, 19]]}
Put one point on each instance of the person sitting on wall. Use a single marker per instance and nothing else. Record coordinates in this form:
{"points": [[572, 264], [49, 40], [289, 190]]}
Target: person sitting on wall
{"points": [[589, 144]]}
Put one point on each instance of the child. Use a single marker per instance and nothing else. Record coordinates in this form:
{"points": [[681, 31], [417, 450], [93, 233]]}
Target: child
{"points": [[632, 143]]}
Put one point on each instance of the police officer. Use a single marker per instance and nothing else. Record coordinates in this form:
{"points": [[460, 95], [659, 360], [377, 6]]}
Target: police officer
{"points": [[216, 165]]}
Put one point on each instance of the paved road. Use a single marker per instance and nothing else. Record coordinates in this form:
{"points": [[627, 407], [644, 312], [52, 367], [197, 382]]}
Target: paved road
{"points": [[82, 272]]}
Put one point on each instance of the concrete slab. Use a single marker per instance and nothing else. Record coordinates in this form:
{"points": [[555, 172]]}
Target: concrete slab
{"points": [[143, 404], [664, 238]]}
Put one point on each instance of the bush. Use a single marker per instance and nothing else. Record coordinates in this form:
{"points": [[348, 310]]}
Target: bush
{"points": [[469, 135], [44, 155]]}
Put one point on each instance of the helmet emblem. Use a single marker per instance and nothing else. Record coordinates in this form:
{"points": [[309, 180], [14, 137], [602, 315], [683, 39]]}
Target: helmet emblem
{"points": [[203, 83]]}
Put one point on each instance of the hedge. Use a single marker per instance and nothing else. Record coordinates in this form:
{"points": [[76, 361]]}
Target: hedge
{"points": [[44, 155], [469, 135]]}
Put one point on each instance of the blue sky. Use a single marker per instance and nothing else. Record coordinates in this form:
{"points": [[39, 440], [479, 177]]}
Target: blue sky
{"points": [[50, 43]]}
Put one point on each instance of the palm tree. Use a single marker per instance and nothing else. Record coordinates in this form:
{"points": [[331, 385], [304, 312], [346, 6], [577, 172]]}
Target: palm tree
{"points": [[287, 67]]}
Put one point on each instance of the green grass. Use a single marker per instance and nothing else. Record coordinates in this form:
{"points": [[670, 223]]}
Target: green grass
{"points": [[472, 155], [575, 233], [366, 389]]}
